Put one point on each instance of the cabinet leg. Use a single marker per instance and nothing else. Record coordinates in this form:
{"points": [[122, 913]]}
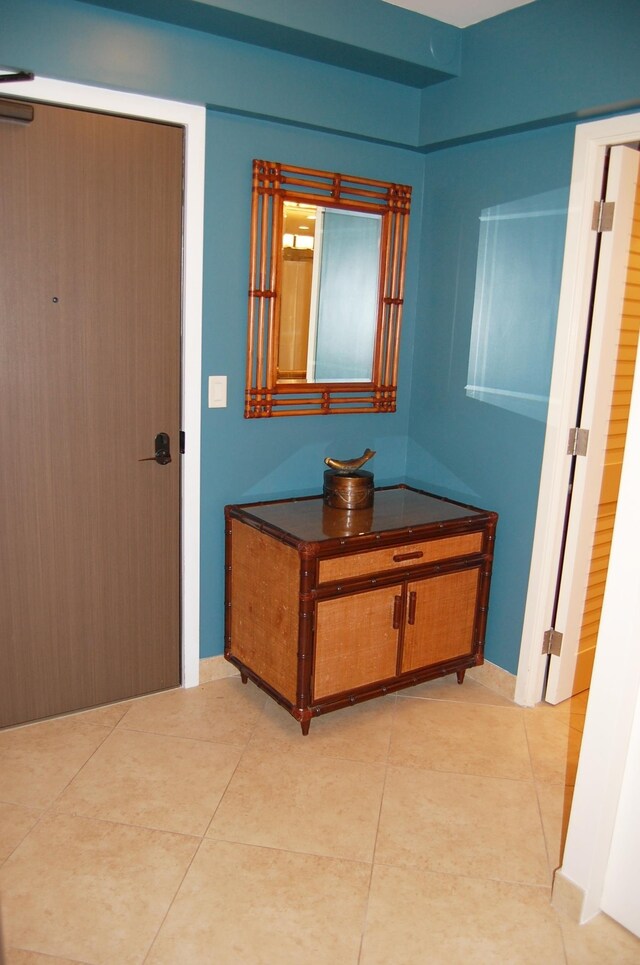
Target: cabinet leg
{"points": [[243, 677], [305, 724], [460, 675]]}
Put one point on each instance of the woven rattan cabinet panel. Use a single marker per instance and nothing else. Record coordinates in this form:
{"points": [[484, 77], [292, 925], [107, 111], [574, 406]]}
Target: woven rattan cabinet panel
{"points": [[441, 615], [325, 607], [346, 656], [264, 618]]}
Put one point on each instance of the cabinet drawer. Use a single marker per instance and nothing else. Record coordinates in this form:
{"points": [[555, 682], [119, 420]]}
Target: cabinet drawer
{"points": [[399, 557]]}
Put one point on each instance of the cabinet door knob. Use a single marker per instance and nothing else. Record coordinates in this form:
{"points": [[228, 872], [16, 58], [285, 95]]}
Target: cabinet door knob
{"points": [[413, 596], [397, 610]]}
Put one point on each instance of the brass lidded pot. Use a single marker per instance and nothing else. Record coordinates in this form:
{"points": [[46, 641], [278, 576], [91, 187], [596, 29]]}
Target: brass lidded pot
{"points": [[352, 490]]}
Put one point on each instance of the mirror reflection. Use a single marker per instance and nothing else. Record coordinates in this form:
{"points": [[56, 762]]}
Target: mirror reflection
{"points": [[329, 294]]}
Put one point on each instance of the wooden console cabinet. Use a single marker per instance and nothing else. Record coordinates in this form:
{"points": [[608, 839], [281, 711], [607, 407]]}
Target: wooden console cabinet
{"points": [[327, 607]]}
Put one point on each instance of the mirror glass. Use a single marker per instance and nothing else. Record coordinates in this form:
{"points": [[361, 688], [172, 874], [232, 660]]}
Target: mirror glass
{"points": [[329, 302], [325, 292]]}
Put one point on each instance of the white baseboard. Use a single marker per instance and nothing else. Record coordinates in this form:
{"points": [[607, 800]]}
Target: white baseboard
{"points": [[495, 678], [489, 675], [567, 897], [216, 668]]}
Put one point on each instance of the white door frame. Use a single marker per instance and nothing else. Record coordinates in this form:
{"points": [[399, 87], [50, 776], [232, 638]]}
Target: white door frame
{"points": [[569, 671], [591, 142], [193, 119]]}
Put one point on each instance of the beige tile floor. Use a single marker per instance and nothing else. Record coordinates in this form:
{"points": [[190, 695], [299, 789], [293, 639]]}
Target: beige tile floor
{"points": [[200, 828]]}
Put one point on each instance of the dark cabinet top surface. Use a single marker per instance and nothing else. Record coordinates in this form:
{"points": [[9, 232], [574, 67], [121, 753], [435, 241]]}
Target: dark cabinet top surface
{"points": [[394, 508]]}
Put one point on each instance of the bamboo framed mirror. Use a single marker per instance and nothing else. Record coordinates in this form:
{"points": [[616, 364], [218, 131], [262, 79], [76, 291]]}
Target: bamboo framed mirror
{"points": [[326, 289]]}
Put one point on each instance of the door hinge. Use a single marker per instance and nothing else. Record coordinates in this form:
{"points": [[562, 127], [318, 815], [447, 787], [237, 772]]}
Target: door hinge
{"points": [[552, 642], [182, 442], [603, 216], [578, 442]]}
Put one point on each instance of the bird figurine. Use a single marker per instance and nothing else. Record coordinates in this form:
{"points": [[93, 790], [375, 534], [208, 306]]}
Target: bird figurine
{"points": [[346, 466]]}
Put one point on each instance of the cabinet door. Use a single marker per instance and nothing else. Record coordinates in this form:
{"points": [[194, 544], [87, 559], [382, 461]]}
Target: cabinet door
{"points": [[356, 640], [440, 618]]}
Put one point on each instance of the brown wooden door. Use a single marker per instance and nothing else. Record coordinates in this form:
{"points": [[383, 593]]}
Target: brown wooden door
{"points": [[90, 294]]}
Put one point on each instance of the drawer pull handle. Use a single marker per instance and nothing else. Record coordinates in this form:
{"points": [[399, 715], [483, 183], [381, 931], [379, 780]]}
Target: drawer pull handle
{"points": [[397, 610], [412, 608], [401, 557]]}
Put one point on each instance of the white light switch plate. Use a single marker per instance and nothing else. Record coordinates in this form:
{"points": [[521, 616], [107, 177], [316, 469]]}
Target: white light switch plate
{"points": [[217, 391]]}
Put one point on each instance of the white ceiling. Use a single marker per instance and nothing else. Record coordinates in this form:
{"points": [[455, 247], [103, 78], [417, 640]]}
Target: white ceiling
{"points": [[459, 13]]}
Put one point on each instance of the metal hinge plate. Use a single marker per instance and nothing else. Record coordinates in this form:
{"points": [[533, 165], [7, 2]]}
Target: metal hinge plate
{"points": [[603, 212], [552, 642], [578, 442]]}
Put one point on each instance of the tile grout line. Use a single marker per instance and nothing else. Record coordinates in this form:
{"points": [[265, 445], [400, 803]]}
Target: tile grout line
{"points": [[231, 777], [203, 838], [387, 764], [253, 730], [171, 902], [544, 835], [46, 811]]}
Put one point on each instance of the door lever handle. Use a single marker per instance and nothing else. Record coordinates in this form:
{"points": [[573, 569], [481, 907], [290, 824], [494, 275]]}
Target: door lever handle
{"points": [[163, 450]]}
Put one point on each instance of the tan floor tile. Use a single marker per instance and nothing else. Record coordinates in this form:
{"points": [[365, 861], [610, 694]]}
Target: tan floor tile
{"points": [[555, 804], [242, 905], [469, 739], [494, 678], [167, 783], [37, 762], [462, 824], [448, 688], [572, 711], [17, 956], [554, 747], [15, 823], [447, 920], [224, 711], [576, 722], [108, 716], [576, 704], [601, 941], [358, 733], [90, 890], [301, 802]]}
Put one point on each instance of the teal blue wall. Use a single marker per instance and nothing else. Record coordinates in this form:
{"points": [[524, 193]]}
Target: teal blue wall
{"points": [[541, 64], [263, 458], [531, 70], [478, 452], [76, 41], [374, 38], [244, 459]]}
